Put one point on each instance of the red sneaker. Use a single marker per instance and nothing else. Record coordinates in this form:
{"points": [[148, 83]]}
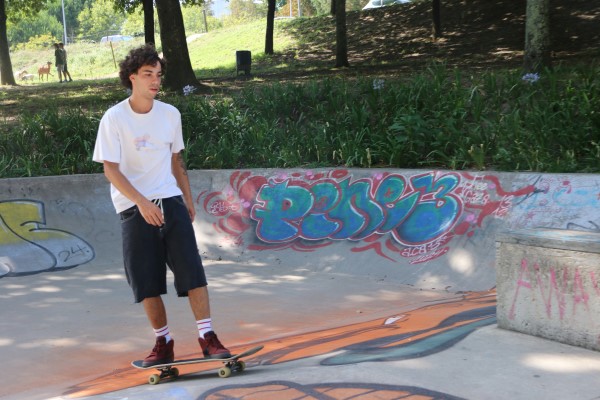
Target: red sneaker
{"points": [[212, 347], [162, 353]]}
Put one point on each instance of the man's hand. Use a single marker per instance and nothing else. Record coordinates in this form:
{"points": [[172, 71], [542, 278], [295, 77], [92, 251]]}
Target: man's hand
{"points": [[181, 176], [191, 210], [151, 212]]}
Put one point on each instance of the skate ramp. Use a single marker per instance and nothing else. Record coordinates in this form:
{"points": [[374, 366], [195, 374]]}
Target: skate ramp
{"points": [[287, 252]]}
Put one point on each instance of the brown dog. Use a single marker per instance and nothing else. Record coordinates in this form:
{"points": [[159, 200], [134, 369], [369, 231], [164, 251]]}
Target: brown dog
{"points": [[44, 69]]}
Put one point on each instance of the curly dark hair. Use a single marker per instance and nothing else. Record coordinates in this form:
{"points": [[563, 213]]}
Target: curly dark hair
{"points": [[138, 57]]}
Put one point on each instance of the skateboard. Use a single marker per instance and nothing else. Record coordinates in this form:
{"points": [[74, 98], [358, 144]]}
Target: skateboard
{"points": [[169, 370]]}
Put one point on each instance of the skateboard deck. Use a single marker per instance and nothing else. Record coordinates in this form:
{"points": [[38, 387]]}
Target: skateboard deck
{"points": [[169, 370]]}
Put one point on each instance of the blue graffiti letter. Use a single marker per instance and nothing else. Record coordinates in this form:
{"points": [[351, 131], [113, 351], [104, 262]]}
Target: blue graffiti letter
{"points": [[282, 210]]}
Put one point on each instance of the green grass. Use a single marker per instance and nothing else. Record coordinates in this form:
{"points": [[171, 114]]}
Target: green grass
{"points": [[438, 118], [388, 112], [213, 53]]}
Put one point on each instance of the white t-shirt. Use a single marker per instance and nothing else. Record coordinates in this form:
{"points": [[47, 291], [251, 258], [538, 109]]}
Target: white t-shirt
{"points": [[142, 145]]}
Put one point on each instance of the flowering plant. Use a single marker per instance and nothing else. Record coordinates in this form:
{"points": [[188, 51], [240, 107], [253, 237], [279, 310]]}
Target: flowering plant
{"points": [[531, 77]]}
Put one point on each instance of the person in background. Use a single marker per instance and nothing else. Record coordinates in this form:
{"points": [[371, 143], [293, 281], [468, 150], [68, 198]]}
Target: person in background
{"points": [[65, 69], [140, 143], [59, 61]]}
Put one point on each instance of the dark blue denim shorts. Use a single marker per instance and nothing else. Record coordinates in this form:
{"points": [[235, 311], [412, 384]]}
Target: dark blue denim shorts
{"points": [[148, 250]]}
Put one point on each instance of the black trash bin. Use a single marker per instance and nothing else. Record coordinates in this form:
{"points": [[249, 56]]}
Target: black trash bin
{"points": [[243, 61]]}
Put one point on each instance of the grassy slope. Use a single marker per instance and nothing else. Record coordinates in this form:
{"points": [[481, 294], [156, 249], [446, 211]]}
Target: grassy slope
{"points": [[383, 42], [213, 51], [477, 33]]}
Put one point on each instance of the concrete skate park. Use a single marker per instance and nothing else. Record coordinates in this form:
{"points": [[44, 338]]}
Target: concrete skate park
{"points": [[359, 283]]}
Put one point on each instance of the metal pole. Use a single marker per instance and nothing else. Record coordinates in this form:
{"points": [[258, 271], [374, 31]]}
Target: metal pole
{"points": [[299, 12], [62, 2]]}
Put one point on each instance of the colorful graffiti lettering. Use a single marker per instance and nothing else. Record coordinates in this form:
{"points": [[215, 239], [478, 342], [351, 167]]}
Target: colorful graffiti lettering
{"points": [[414, 217], [28, 247]]}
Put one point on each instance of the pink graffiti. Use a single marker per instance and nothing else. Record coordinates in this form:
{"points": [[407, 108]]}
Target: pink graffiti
{"points": [[555, 289]]}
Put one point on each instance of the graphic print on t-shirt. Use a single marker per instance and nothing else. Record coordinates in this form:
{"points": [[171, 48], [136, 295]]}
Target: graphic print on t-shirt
{"points": [[142, 142]]}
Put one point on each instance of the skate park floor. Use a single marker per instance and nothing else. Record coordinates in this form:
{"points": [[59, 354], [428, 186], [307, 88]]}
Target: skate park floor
{"points": [[73, 333]]}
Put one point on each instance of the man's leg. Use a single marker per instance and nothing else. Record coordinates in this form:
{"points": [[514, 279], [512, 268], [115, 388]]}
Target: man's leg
{"points": [[209, 343], [163, 349], [155, 311], [199, 302]]}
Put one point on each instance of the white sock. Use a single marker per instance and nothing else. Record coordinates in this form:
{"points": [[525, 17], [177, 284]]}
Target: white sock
{"points": [[204, 326], [164, 331]]}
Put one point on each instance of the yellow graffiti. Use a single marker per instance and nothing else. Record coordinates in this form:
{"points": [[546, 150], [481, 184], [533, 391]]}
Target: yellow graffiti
{"points": [[27, 246]]}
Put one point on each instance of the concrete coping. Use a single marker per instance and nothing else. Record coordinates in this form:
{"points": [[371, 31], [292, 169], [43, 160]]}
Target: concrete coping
{"points": [[564, 239]]}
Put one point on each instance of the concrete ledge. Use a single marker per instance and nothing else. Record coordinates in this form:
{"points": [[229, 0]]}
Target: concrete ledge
{"points": [[553, 239], [548, 284]]}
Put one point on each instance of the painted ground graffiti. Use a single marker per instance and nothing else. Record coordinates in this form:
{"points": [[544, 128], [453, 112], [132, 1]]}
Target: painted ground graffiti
{"points": [[285, 390], [28, 247], [418, 333], [395, 215]]}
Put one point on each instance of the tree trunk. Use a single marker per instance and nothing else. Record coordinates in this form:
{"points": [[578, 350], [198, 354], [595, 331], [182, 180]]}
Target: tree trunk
{"points": [[148, 6], [174, 46], [537, 36], [6, 71], [332, 10], [341, 37], [270, 27], [437, 19]]}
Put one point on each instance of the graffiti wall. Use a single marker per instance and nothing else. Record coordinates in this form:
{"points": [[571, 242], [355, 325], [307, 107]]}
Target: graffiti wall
{"points": [[53, 223], [28, 246], [424, 227], [430, 229]]}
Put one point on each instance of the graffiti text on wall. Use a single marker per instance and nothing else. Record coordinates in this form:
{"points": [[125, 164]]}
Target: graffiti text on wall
{"points": [[28, 247], [392, 214], [563, 291]]}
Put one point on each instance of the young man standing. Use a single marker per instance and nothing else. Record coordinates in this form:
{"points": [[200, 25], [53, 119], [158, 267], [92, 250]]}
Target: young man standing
{"points": [[140, 142], [66, 72], [59, 61]]}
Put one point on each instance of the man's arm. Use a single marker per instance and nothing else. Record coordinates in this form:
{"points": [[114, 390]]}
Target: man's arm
{"points": [[181, 176], [150, 211]]}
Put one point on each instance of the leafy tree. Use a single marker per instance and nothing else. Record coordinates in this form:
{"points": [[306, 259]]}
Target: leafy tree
{"points": [[193, 19], [16, 9], [100, 20], [135, 24], [72, 10], [245, 10], [130, 6], [321, 7], [174, 45], [33, 25]]}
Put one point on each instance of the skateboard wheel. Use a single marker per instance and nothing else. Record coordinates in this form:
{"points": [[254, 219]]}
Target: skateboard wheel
{"points": [[241, 365], [153, 379], [225, 372], [174, 372]]}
